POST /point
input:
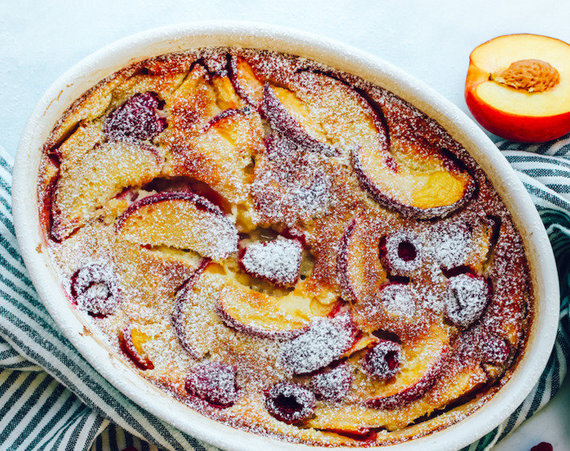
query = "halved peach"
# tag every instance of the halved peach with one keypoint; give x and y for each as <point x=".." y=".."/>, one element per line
<point x="518" y="87"/>
<point x="86" y="184"/>
<point x="251" y="312"/>
<point x="182" y="220"/>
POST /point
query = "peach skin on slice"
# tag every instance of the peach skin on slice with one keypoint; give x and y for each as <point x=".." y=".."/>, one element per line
<point x="449" y="387"/>
<point x="258" y="314"/>
<point x="245" y="81"/>
<point x="193" y="103"/>
<point x="131" y="341"/>
<point x="226" y="95"/>
<point x="421" y="363"/>
<point x="185" y="297"/>
<point x="181" y="220"/>
<point x="95" y="178"/>
<point x="359" y="269"/>
<point x="291" y="117"/>
<point x="436" y="186"/>
<point x="221" y="152"/>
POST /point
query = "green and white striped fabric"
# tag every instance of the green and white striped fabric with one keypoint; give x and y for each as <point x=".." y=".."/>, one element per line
<point x="51" y="398"/>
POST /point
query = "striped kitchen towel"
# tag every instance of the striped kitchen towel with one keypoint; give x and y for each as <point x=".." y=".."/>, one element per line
<point x="51" y="398"/>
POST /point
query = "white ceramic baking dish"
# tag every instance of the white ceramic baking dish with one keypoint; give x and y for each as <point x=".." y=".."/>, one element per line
<point x="92" y="69"/>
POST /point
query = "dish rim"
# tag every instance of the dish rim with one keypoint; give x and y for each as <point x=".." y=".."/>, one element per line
<point x="83" y="75"/>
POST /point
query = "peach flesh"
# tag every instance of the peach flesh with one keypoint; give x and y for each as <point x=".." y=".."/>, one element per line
<point x="519" y="114"/>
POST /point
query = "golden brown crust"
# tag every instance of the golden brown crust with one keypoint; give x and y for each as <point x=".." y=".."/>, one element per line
<point x="327" y="204"/>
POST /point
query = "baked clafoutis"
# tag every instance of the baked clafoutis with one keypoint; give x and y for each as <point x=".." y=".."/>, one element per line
<point x="285" y="247"/>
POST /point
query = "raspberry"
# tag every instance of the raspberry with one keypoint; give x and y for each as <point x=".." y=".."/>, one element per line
<point x="383" y="360"/>
<point x="94" y="289"/>
<point x="290" y="403"/>
<point x="214" y="383"/>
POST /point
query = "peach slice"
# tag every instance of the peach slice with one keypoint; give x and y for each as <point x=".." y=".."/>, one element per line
<point x="177" y="319"/>
<point x="138" y="118"/>
<point x="518" y="87"/>
<point x="421" y="363"/>
<point x="131" y="341"/>
<point x="104" y="171"/>
<point x="291" y="117"/>
<point x="258" y="314"/>
<point x="437" y="186"/>
<point x="359" y="269"/>
<point x="341" y="419"/>
<point x="245" y="81"/>
<point x="437" y="192"/>
<point x="81" y="141"/>
<point x="355" y="125"/>
<point x="325" y="341"/>
<point x="220" y="153"/>
<point x="193" y="105"/>
<point x="181" y="220"/>
<point x="227" y="97"/>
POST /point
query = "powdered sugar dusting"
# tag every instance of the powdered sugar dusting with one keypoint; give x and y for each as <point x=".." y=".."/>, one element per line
<point x="95" y="289"/>
<point x="465" y="299"/>
<point x="398" y="299"/>
<point x="450" y="244"/>
<point x="291" y="184"/>
<point x="403" y="252"/>
<point x="213" y="382"/>
<point x="334" y="384"/>
<point x="278" y="260"/>
<point x="324" y="342"/>
<point x="421" y="319"/>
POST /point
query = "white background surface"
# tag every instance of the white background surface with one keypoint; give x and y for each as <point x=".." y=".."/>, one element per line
<point x="432" y="40"/>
